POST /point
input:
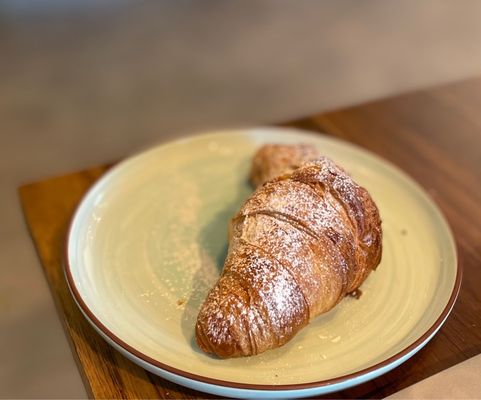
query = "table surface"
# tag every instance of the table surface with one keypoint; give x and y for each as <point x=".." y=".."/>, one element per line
<point x="434" y="135"/>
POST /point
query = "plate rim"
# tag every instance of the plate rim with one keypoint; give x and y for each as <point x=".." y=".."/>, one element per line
<point x="411" y="348"/>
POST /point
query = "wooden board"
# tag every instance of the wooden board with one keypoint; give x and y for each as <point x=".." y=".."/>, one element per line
<point x="433" y="135"/>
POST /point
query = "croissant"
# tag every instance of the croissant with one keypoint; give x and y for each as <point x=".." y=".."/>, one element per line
<point x="302" y="242"/>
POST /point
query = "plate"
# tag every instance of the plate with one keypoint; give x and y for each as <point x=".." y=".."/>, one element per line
<point x="148" y="241"/>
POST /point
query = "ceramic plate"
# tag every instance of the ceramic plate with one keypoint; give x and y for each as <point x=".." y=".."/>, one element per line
<point x="148" y="242"/>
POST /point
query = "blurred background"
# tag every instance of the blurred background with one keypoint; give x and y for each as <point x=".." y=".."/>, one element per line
<point x="85" y="82"/>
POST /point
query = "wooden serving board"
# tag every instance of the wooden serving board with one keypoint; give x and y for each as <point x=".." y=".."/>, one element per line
<point x="433" y="135"/>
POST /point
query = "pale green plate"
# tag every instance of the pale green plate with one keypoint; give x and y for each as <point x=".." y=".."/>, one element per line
<point x="148" y="242"/>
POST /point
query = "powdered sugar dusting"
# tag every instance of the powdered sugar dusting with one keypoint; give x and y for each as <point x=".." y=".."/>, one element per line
<point x="297" y="248"/>
<point x="255" y="305"/>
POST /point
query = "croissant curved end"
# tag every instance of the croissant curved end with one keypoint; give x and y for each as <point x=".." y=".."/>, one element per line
<point x="222" y="326"/>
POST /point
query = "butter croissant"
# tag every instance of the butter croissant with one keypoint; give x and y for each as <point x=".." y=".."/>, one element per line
<point x="297" y="246"/>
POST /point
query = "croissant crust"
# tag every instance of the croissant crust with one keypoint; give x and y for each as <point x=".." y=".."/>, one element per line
<point x="297" y="246"/>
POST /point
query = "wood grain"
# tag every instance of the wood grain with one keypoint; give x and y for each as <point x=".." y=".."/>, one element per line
<point x="433" y="135"/>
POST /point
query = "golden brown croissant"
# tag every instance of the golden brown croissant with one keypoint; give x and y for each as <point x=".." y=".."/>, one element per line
<point x="297" y="246"/>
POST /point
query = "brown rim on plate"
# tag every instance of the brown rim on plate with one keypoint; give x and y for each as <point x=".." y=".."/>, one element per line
<point x="252" y="386"/>
<point x="265" y="387"/>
